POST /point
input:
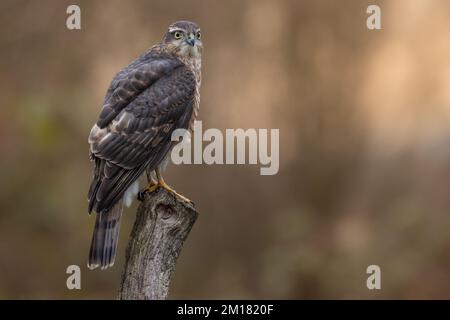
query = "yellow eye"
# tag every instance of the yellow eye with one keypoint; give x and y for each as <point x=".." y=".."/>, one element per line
<point x="198" y="35"/>
<point x="177" y="35"/>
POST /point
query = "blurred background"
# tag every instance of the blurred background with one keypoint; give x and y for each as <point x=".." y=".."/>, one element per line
<point x="364" y="119"/>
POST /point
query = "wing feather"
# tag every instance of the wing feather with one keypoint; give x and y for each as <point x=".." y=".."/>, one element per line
<point x="131" y="81"/>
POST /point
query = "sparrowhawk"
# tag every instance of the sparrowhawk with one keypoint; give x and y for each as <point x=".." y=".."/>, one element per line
<point x="146" y="101"/>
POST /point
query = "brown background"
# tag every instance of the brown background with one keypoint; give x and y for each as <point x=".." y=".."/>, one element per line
<point x="364" y="146"/>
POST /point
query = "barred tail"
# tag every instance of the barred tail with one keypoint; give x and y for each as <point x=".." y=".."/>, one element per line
<point x="105" y="238"/>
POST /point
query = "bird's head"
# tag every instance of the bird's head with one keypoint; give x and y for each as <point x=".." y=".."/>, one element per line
<point x="184" y="40"/>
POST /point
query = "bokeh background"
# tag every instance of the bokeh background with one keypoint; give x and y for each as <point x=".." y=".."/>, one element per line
<point x="364" y="119"/>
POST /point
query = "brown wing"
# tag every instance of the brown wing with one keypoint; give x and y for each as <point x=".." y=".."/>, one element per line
<point x="138" y="136"/>
<point x="132" y="81"/>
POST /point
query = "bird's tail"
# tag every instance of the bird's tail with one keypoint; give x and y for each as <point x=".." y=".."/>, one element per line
<point x="105" y="238"/>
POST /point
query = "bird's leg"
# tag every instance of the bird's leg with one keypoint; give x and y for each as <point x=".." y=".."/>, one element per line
<point x="163" y="184"/>
<point x="151" y="186"/>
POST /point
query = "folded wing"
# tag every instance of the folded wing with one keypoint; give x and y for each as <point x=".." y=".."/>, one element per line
<point x="146" y="102"/>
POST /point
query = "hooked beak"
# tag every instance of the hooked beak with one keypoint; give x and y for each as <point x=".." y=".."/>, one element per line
<point x="190" y="40"/>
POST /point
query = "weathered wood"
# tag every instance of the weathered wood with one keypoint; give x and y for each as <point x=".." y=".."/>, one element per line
<point x="162" y="224"/>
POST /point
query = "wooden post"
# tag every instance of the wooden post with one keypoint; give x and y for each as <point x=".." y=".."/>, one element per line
<point x="162" y="224"/>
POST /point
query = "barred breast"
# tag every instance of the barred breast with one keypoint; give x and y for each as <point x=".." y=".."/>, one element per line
<point x="195" y="66"/>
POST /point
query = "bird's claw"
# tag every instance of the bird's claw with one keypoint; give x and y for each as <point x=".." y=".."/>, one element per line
<point x="152" y="186"/>
<point x="141" y="194"/>
<point x="161" y="184"/>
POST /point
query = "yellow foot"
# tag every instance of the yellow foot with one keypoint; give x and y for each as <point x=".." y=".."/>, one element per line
<point x="164" y="185"/>
<point x="152" y="186"/>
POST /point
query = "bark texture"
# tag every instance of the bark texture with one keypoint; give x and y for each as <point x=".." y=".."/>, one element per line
<point x="162" y="224"/>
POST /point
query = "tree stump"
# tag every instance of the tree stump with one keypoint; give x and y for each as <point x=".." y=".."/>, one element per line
<point x="163" y="223"/>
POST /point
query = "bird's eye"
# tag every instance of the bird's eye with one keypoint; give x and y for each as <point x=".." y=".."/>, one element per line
<point x="198" y="35"/>
<point x="177" y="35"/>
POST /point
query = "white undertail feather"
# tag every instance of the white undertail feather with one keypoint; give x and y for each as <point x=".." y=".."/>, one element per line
<point x="131" y="193"/>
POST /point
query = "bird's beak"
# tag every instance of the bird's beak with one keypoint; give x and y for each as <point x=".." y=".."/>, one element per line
<point x="191" y="39"/>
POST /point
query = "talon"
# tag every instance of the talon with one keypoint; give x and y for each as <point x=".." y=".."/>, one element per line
<point x="141" y="194"/>
<point x="164" y="185"/>
<point x="152" y="186"/>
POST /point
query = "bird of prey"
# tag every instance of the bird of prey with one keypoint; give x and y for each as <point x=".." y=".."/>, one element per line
<point x="146" y="101"/>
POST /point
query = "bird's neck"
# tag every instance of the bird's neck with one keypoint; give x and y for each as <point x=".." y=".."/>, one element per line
<point x="193" y="63"/>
